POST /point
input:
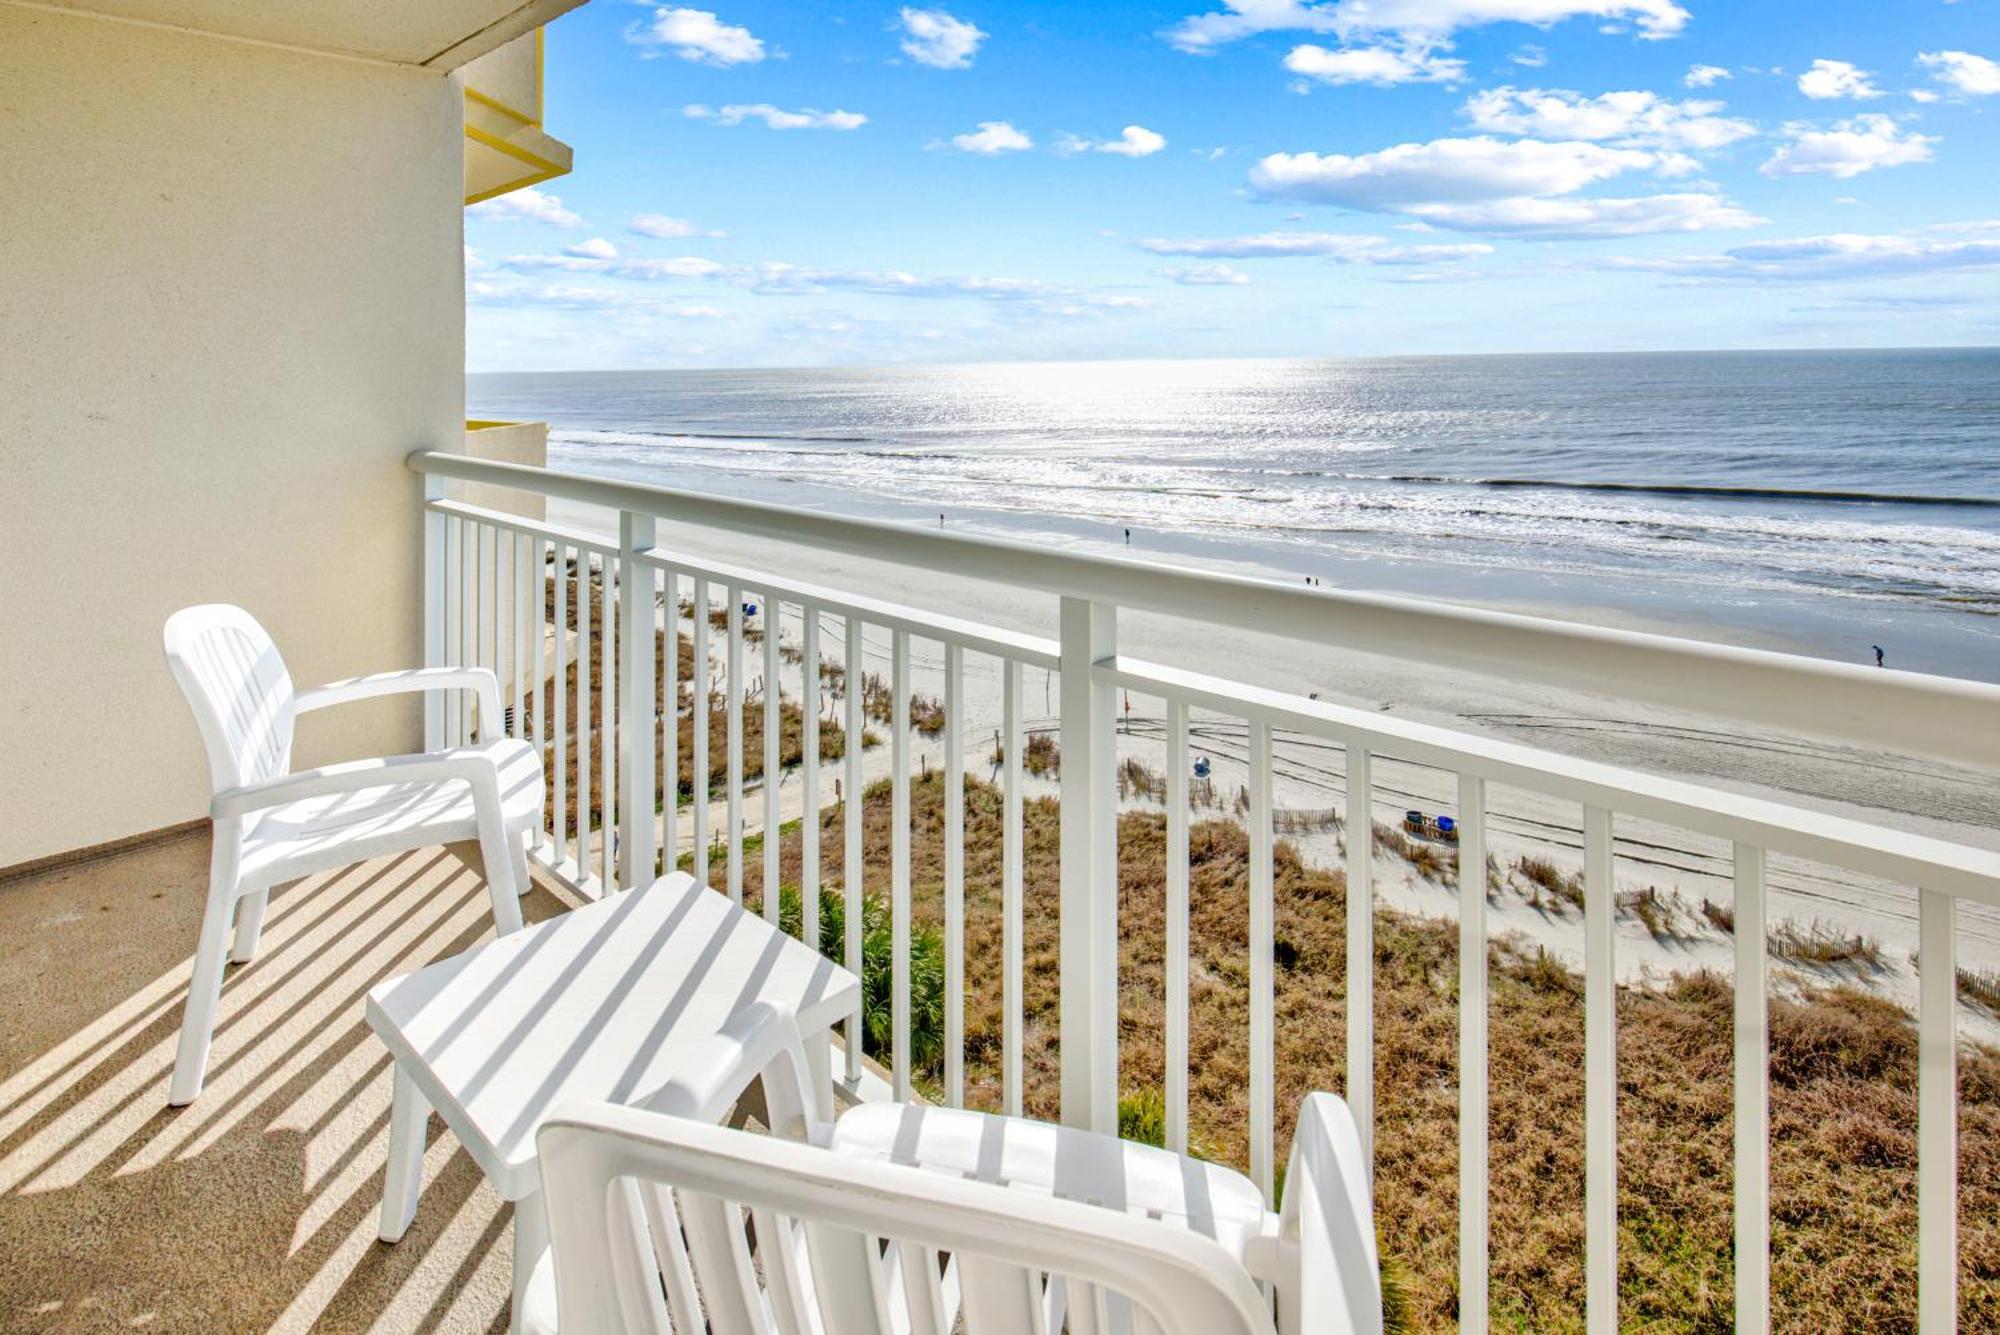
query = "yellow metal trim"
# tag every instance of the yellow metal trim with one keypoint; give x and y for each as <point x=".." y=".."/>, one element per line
<point x="510" y="113"/>
<point x="479" y="424"/>
<point x="515" y="151"/>
<point x="534" y="178"/>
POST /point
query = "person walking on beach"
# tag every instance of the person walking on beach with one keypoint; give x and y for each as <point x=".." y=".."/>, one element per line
<point x="1878" y="655"/>
<point x="1128" y="537"/>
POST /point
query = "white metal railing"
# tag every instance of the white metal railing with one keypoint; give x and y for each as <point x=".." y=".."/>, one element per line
<point x="489" y="575"/>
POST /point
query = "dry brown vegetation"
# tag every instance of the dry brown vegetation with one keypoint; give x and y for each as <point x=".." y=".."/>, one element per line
<point x="1843" y="1073"/>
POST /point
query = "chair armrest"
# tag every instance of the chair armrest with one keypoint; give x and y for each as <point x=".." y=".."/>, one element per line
<point x="477" y="679"/>
<point x="465" y="766"/>
<point x="760" y="1040"/>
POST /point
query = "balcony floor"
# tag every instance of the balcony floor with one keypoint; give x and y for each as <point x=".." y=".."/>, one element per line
<point x="256" y="1206"/>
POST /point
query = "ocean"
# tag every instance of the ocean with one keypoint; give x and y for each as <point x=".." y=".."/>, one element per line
<point x="1824" y="502"/>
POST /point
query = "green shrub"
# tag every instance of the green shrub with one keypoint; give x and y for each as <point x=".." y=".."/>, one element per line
<point x="878" y="974"/>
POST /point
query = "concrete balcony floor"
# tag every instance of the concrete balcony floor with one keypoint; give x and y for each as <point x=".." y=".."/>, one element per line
<point x="254" y="1208"/>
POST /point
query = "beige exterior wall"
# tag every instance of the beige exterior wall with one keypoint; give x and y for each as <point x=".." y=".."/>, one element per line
<point x="231" y="301"/>
<point x="507" y="443"/>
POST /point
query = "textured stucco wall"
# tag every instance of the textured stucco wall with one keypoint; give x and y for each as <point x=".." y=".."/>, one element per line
<point x="231" y="301"/>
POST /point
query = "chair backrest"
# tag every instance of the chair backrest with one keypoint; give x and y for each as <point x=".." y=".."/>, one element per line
<point x="1330" y="1217"/>
<point x="236" y="683"/>
<point x="662" y="1223"/>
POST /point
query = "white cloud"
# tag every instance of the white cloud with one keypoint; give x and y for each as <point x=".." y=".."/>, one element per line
<point x="1643" y="215"/>
<point x="697" y="35"/>
<point x="1631" y="119"/>
<point x="529" y="205"/>
<point x="990" y="138"/>
<point x="1704" y="76"/>
<point x="1924" y="95"/>
<point x="665" y="228"/>
<point x="1442" y="171"/>
<point x="1135" y="141"/>
<point x="1850" y="148"/>
<point x="1378" y="65"/>
<point x="1344" y="247"/>
<point x="1433" y="20"/>
<point x="1508" y="187"/>
<point x="597" y="248"/>
<point x="1842" y="255"/>
<point x="1975" y="76"/>
<point x="681" y="267"/>
<point x="775" y="118"/>
<point x="1530" y="57"/>
<point x="933" y="37"/>
<point x="1205" y="275"/>
<point x="1836" y="78"/>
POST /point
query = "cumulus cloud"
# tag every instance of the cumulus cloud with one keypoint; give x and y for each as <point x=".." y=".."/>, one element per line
<point x="597" y="248"/>
<point x="991" y="138"/>
<point x="1514" y="187"/>
<point x="1382" y="66"/>
<point x="1836" y="78"/>
<point x="696" y="35"/>
<point x="1343" y="247"/>
<point x="1704" y="76"/>
<point x="665" y="228"/>
<point x="933" y="37"/>
<point x="1432" y="20"/>
<point x="1841" y="255"/>
<point x="1974" y="76"/>
<point x="529" y="205"/>
<point x="1851" y="147"/>
<point x="1134" y="141"/>
<point x="1401" y="178"/>
<point x="1205" y="275"/>
<point x="1631" y="119"/>
<point x="775" y="118"/>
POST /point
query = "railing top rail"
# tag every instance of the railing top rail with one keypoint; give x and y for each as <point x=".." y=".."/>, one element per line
<point x="1871" y="707"/>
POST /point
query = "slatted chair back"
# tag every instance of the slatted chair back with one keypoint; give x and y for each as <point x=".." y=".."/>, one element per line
<point x="236" y="683"/>
<point x="661" y="1223"/>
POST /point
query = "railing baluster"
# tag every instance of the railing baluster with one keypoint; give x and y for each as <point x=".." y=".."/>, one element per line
<point x="1472" y="1091"/>
<point x="809" y="772"/>
<point x="857" y="725"/>
<point x="698" y="674"/>
<point x="899" y="843"/>
<point x="488" y="612"/>
<point x="809" y="706"/>
<point x="468" y="614"/>
<point x="1937" y="1114"/>
<point x="953" y="797"/>
<point x="583" y="713"/>
<point x="1600" y="1069"/>
<point x="670" y="725"/>
<point x="773" y="721"/>
<point x="517" y="631"/>
<point x="538" y="630"/>
<point x="437" y="615"/>
<point x="1263" y="1094"/>
<point x="608" y="685"/>
<point x="560" y="577"/>
<point x="1359" y="815"/>
<point x="454" y="597"/>
<point x="1753" y="1100"/>
<point x="733" y="723"/>
<point x="1012" y="1007"/>
<point x="1177" y="926"/>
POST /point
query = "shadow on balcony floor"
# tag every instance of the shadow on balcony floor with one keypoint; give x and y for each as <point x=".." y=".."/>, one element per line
<point x="256" y="1206"/>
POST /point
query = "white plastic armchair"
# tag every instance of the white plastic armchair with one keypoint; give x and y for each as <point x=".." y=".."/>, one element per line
<point x="274" y="825"/>
<point x="647" y="1221"/>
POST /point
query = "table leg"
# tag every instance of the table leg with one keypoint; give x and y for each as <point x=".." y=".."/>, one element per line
<point x="819" y="1070"/>
<point x="531" y="1243"/>
<point x="409" y="1116"/>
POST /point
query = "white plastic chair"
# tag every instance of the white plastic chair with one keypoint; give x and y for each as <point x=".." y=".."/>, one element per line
<point x="272" y="825"/>
<point x="647" y="1217"/>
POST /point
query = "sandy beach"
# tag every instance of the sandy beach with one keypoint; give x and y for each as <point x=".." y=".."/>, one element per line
<point x="1681" y="869"/>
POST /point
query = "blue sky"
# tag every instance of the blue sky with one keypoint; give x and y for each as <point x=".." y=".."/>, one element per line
<point x="764" y="184"/>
